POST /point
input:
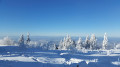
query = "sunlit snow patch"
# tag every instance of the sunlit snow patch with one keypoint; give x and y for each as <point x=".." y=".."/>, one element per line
<point x="51" y="60"/>
<point x="63" y="53"/>
<point x="75" y="60"/>
<point x="18" y="58"/>
<point x="116" y="63"/>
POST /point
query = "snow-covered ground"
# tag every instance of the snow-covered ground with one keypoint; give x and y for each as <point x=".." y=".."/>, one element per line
<point x="13" y="56"/>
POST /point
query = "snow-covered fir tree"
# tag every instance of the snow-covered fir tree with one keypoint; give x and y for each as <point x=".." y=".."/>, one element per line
<point x="7" y="41"/>
<point x="28" y="38"/>
<point x="105" y="41"/>
<point x="21" y="41"/>
<point x="87" y="43"/>
<point x="67" y="43"/>
<point x="93" y="42"/>
<point x="115" y="46"/>
<point x="52" y="47"/>
<point x="79" y="44"/>
<point x="79" y="40"/>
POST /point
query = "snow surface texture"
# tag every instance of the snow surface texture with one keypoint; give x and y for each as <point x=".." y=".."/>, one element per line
<point x="16" y="57"/>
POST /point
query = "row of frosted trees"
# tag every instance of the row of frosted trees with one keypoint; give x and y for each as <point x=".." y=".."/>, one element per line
<point x="91" y="43"/>
<point x="34" y="44"/>
<point x="67" y="43"/>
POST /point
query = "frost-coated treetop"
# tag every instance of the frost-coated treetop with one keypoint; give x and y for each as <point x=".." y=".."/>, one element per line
<point x="79" y="40"/>
<point x="105" y="41"/>
<point x="21" y="39"/>
<point x="28" y="38"/>
<point x="87" y="39"/>
<point x="67" y="43"/>
<point x="87" y="43"/>
<point x="93" y="38"/>
<point x="93" y="41"/>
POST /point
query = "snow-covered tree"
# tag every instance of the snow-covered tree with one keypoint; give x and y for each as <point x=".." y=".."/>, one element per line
<point x="117" y="46"/>
<point x="79" y="40"/>
<point x="87" y="43"/>
<point x="28" y="38"/>
<point x="105" y="41"/>
<point x="93" y="42"/>
<point x="67" y="43"/>
<point x="52" y="47"/>
<point x="7" y="41"/>
<point x="33" y="44"/>
<point x="79" y="44"/>
<point x="21" y="41"/>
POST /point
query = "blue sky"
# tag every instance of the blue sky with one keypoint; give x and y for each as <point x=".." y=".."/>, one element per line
<point x="60" y="17"/>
